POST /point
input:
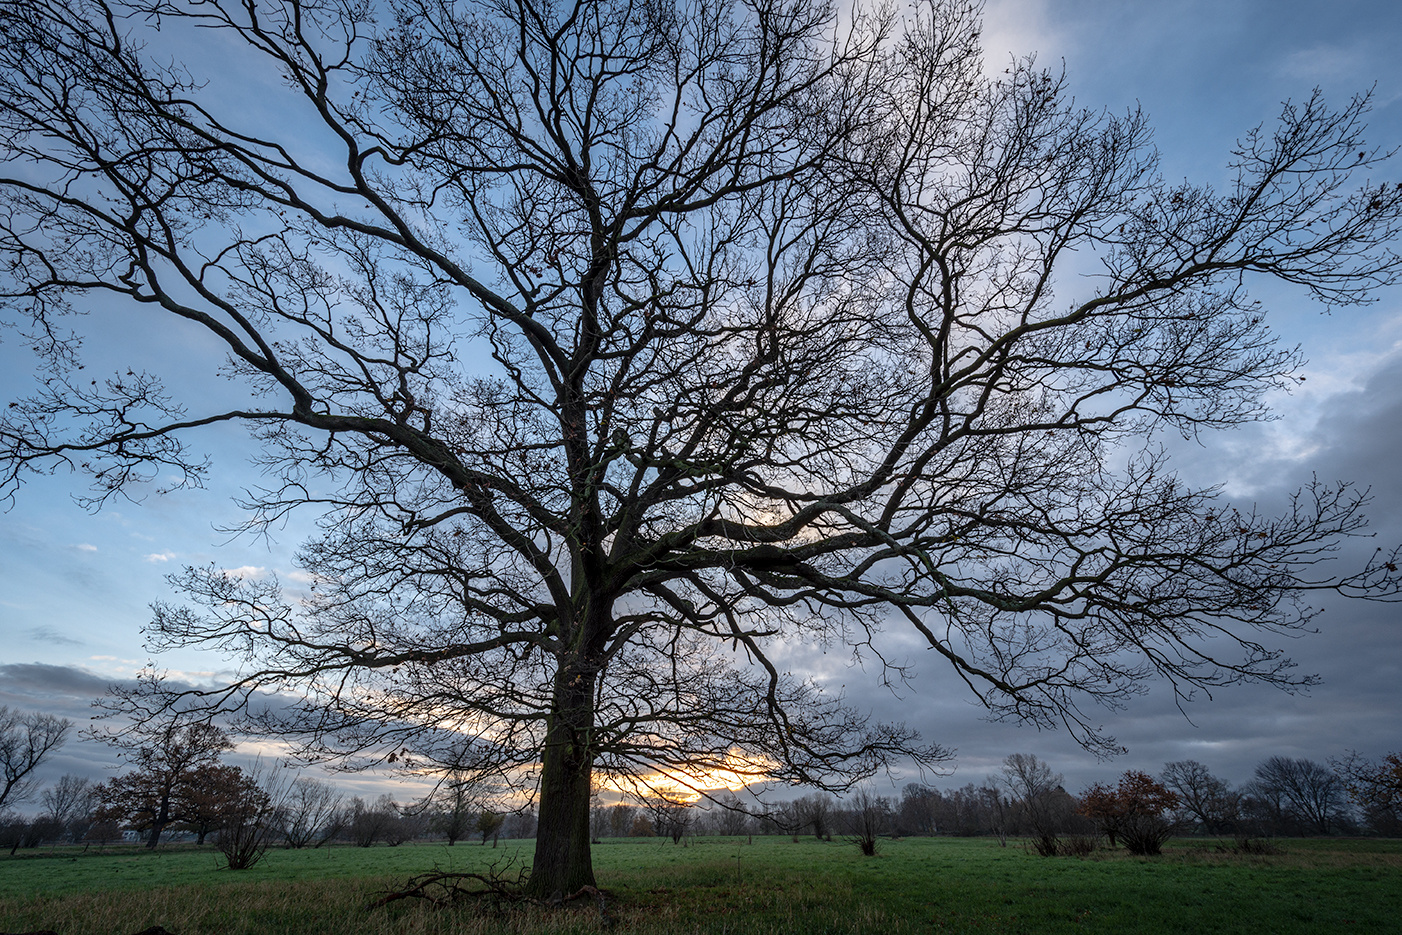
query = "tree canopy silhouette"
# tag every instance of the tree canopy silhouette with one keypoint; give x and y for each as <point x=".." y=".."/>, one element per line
<point x="621" y="347"/>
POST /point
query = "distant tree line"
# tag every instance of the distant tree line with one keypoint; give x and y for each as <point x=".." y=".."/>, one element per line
<point x="1027" y="799"/>
<point x="178" y="784"/>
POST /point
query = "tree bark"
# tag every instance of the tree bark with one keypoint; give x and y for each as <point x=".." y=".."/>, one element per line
<point x="563" y="863"/>
<point x="160" y="819"/>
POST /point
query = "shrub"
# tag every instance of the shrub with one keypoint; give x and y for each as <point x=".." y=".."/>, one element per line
<point x="1134" y="812"/>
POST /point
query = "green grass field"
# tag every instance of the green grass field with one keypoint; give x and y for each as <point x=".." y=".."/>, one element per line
<point x="719" y="885"/>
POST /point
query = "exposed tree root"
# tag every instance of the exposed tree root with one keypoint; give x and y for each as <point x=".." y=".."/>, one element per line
<point x="447" y="888"/>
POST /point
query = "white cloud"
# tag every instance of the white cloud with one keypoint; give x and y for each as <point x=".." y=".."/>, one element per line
<point x="244" y="571"/>
<point x="1322" y="63"/>
<point x="160" y="556"/>
<point x="1022" y="27"/>
<point x="85" y="547"/>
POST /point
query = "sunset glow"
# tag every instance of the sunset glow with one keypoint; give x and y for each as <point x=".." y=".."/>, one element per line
<point x="686" y="786"/>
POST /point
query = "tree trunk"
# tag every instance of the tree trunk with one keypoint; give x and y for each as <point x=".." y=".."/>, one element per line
<point x="158" y="823"/>
<point x="562" y="859"/>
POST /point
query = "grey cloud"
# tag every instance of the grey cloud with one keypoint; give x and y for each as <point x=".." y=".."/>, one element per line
<point x="1356" y="651"/>
<point x="64" y="690"/>
<point x="51" y="635"/>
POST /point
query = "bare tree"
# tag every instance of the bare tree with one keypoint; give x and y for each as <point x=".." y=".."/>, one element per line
<point x="1032" y="789"/>
<point x="732" y="818"/>
<point x="26" y="740"/>
<point x="866" y="817"/>
<point x="453" y="807"/>
<point x="1308" y="792"/>
<point x="1206" y="798"/>
<point x="814" y="812"/>
<point x="919" y="809"/>
<point x="375" y="821"/>
<point x="249" y="817"/>
<point x="670" y="816"/>
<point x="619" y="345"/>
<point x="310" y="807"/>
<point x="621" y="819"/>
<point x="69" y="803"/>
<point x="1375" y="786"/>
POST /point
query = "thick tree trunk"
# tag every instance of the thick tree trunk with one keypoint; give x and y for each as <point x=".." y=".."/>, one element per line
<point x="158" y="824"/>
<point x="562" y="859"/>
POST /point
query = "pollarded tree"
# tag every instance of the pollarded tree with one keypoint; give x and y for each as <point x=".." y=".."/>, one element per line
<point x="248" y="817"/>
<point x="620" y="346"/>
<point x="866" y="817"/>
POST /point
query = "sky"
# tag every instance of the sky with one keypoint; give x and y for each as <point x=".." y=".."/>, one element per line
<point x="75" y="587"/>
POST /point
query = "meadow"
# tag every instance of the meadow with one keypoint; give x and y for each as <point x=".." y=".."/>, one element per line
<point x="725" y="885"/>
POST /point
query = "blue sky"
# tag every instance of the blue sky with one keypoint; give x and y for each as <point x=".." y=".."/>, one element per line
<point x="75" y="587"/>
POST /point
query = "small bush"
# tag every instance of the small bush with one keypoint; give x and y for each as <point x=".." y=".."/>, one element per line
<point x="1252" y="846"/>
<point x="1078" y="845"/>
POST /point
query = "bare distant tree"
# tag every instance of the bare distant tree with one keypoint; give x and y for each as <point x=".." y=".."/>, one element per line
<point x="69" y="803"/>
<point x="1307" y="791"/>
<point x="374" y="821"/>
<point x="998" y="808"/>
<point x="618" y="347"/>
<point x="1202" y="795"/>
<point x="814" y="812"/>
<point x="732" y="818"/>
<point x="621" y="818"/>
<point x="1033" y="789"/>
<point x="452" y="807"/>
<point x="919" y="809"/>
<point x="68" y="798"/>
<point x="866" y="816"/>
<point x="308" y="809"/>
<point x="671" y="817"/>
<point x="1375" y="786"/>
<point x="26" y="740"/>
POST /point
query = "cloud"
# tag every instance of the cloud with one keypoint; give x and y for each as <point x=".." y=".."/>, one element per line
<point x="1331" y="64"/>
<point x="45" y="634"/>
<point x="244" y="571"/>
<point x="160" y="556"/>
<point x="85" y="547"/>
<point x="67" y="691"/>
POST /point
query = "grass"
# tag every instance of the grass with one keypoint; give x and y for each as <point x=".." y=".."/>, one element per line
<point x="721" y="886"/>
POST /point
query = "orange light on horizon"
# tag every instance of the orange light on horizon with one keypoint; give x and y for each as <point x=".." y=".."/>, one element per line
<point x="687" y="785"/>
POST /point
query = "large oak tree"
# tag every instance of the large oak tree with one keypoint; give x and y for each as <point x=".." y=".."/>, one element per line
<point x="621" y="347"/>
